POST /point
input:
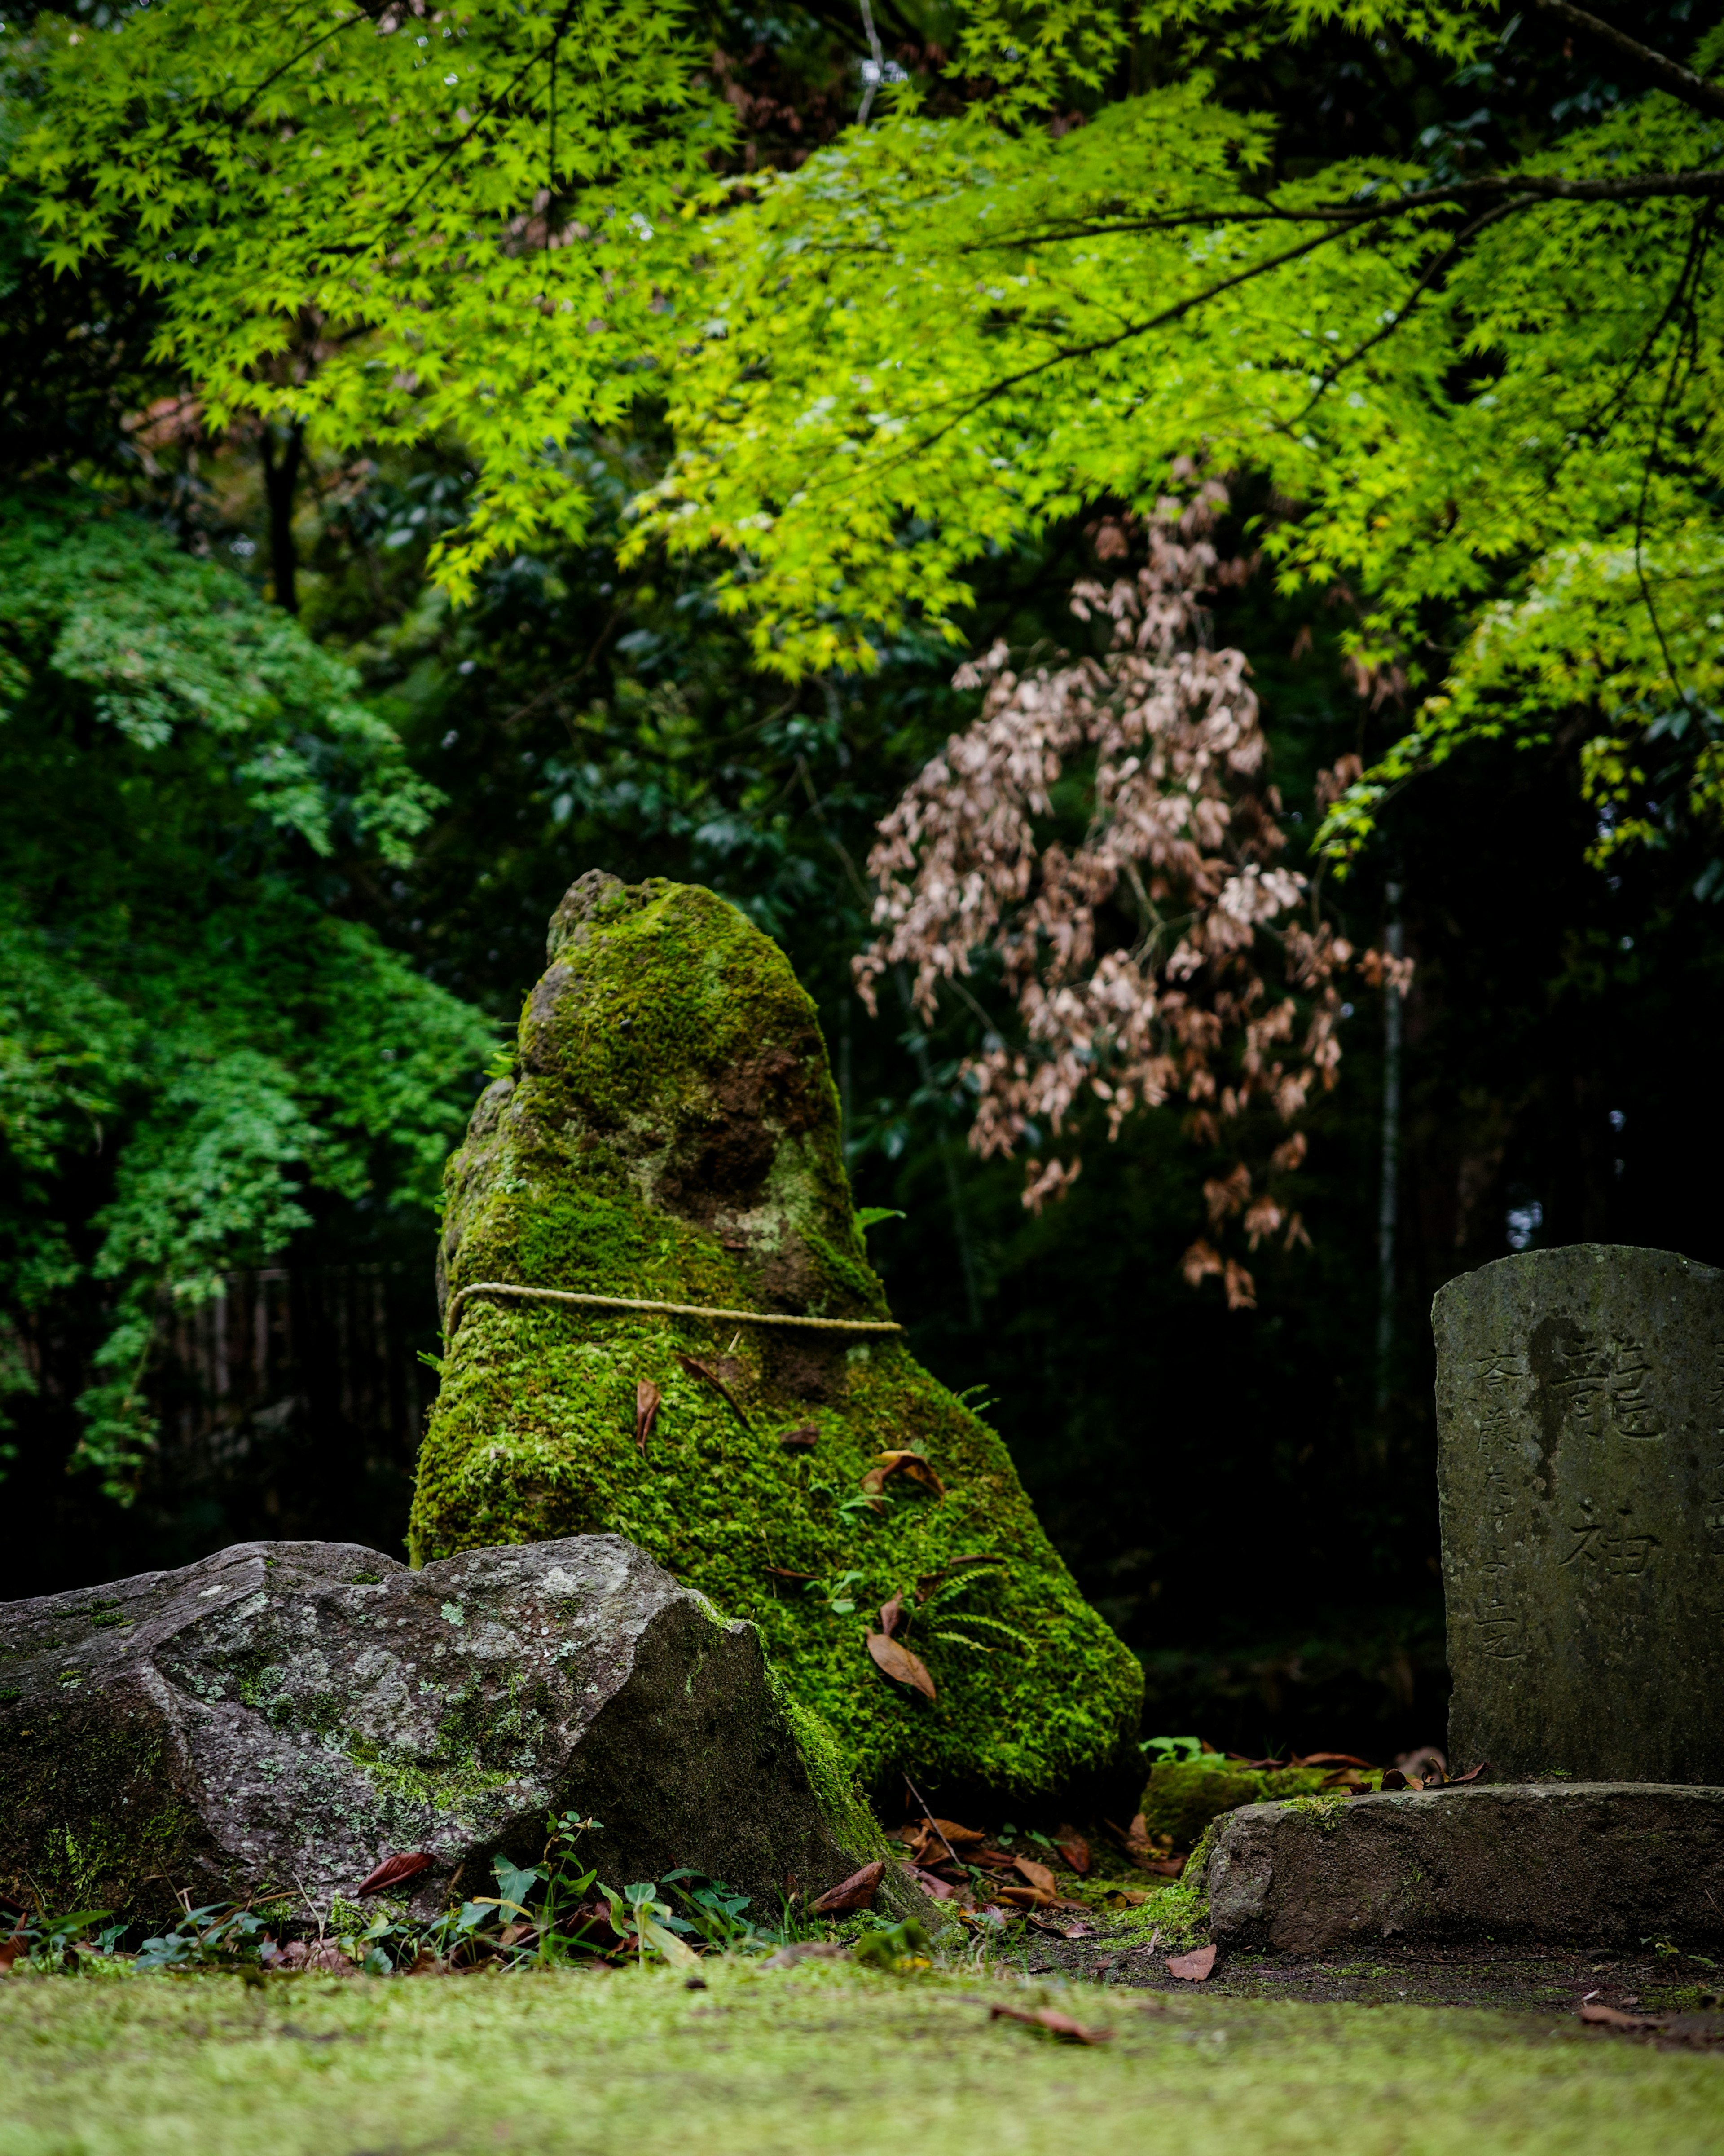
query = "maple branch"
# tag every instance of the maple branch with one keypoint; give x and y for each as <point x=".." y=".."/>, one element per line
<point x="1532" y="186"/>
<point x="1680" y="82"/>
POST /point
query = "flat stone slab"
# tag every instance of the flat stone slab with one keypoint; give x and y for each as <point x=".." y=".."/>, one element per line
<point x="282" y="1716"/>
<point x="1597" y="1863"/>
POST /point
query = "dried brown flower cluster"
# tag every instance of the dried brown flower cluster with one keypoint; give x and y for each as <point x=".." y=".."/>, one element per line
<point x="1139" y="954"/>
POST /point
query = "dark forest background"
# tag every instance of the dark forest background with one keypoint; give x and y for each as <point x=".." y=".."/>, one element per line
<point x="1247" y="1496"/>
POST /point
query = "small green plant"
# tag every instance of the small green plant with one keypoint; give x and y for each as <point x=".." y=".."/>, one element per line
<point x="1187" y="1751"/>
<point x="894" y="1948"/>
<point x="837" y="1592"/>
<point x="49" y="1944"/>
<point x="219" y="1935"/>
<point x="938" y="1613"/>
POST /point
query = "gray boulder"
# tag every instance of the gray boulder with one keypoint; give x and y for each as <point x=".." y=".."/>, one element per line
<point x="1591" y="1864"/>
<point x="284" y="1715"/>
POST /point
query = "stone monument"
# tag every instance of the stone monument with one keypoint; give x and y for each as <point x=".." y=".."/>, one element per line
<point x="1580" y="1475"/>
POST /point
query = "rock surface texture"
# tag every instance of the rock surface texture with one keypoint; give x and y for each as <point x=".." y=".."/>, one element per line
<point x="669" y="1132"/>
<point x="1590" y="1864"/>
<point x="283" y="1715"/>
<point x="1580" y="1416"/>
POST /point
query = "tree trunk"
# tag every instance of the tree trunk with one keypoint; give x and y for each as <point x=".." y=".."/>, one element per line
<point x="281" y="474"/>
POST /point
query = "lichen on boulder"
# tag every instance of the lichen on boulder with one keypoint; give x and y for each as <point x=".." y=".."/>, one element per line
<point x="282" y="1716"/>
<point x="669" y="1130"/>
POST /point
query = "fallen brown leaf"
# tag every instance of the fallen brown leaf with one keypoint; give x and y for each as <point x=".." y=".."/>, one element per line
<point x="1027" y="1897"/>
<point x="646" y="1397"/>
<point x="1073" y="1847"/>
<point x="1053" y="2020"/>
<point x="1393" y="1779"/>
<point x="890" y="1613"/>
<point x="1329" y="1759"/>
<point x="1612" y="2017"/>
<point x="910" y="1465"/>
<point x="711" y="1377"/>
<point x="959" y="1837"/>
<point x="1472" y="1774"/>
<point x="393" y="1871"/>
<point x="1037" y="1875"/>
<point x="1165" y="1867"/>
<point x="325" y="1955"/>
<point x="856" y="1892"/>
<point x="899" y="1664"/>
<point x="1193" y="1968"/>
<point x="932" y="1883"/>
<point x="11" y="1949"/>
<point x="802" y="1438"/>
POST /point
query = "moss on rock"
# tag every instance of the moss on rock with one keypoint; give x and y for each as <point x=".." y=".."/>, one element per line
<point x="1182" y="1796"/>
<point x="669" y="1131"/>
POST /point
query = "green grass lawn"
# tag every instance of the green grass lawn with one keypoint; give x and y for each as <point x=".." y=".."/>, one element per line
<point x="804" y="2060"/>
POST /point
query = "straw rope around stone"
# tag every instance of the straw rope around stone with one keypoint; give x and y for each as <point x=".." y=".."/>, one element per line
<point x="666" y="1309"/>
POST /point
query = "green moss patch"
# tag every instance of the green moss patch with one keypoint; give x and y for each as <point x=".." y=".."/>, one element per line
<point x="669" y="1131"/>
<point x="1182" y="1796"/>
<point x="819" y="2060"/>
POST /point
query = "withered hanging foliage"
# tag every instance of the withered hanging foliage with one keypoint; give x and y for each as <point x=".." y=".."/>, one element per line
<point x="1224" y="992"/>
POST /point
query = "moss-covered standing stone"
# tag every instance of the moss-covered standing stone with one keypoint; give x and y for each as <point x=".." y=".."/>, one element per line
<point x="669" y="1131"/>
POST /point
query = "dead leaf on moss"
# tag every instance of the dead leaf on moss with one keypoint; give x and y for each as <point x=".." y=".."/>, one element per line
<point x="1037" y="1875"/>
<point x="647" y="1398"/>
<point x="1027" y="1897"/>
<point x="1073" y="1847"/>
<point x="1193" y="1968"/>
<point x="910" y="1465"/>
<point x="856" y="1892"/>
<point x="1056" y="2023"/>
<point x="394" y="1870"/>
<point x="696" y="1368"/>
<point x="899" y="1664"/>
<point x="889" y="1614"/>
<point x="1055" y="1928"/>
<point x="802" y="1438"/>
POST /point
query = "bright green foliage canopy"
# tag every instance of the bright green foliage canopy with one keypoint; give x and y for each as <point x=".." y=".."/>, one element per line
<point x="344" y="208"/>
<point x="192" y="1041"/>
<point x="1485" y="393"/>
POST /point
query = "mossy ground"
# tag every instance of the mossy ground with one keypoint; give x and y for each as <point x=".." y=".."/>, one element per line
<point x="818" y="2059"/>
<point x="669" y="1130"/>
